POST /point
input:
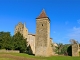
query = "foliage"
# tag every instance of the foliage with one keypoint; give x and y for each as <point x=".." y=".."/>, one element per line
<point x="59" y="48"/>
<point x="19" y="42"/>
<point x="62" y="49"/>
<point x="5" y="40"/>
<point x="65" y="49"/>
<point x="16" y="42"/>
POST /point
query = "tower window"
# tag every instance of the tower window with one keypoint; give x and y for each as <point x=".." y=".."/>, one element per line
<point x="42" y="24"/>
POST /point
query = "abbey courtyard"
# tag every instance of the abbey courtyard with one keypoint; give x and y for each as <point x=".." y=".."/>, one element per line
<point x="41" y="42"/>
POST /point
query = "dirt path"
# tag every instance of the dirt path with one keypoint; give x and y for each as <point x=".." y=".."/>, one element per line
<point x="15" y="57"/>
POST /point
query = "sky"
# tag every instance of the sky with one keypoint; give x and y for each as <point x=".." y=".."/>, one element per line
<point x="64" y="17"/>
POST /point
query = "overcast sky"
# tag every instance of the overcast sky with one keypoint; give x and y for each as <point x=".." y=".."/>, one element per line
<point x="64" y="17"/>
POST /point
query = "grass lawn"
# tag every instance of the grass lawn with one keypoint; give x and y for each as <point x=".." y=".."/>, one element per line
<point x="21" y="56"/>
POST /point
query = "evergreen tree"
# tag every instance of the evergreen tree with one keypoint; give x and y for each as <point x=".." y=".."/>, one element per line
<point x="5" y="40"/>
<point x="19" y="42"/>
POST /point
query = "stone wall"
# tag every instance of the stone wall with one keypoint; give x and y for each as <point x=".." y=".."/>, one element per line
<point x="51" y="52"/>
<point x="31" y="42"/>
<point x="75" y="49"/>
<point x="9" y="51"/>
<point x="22" y="29"/>
<point x="19" y="28"/>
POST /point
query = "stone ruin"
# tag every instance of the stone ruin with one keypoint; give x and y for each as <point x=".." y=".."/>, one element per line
<point x="75" y="48"/>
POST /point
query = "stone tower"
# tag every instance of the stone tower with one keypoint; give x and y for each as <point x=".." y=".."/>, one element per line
<point x="42" y="42"/>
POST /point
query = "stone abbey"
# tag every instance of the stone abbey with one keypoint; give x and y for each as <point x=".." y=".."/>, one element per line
<point x="40" y="42"/>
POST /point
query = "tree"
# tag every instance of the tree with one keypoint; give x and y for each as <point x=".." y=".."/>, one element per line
<point x="65" y="48"/>
<point x="5" y="40"/>
<point x="59" y="48"/>
<point x="19" y="42"/>
<point x="62" y="49"/>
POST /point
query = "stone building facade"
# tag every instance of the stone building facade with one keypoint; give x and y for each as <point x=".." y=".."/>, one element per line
<point x="40" y="42"/>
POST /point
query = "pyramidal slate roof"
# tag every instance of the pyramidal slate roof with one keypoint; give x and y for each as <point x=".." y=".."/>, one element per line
<point x="42" y="15"/>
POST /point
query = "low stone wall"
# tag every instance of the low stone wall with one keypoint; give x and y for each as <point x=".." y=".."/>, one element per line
<point x="9" y="51"/>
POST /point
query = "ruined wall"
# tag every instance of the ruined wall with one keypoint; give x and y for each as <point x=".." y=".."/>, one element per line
<point x="31" y="43"/>
<point x="75" y="49"/>
<point x="22" y="29"/>
<point x="51" y="52"/>
<point x="25" y="32"/>
<point x="9" y="51"/>
<point x="19" y="28"/>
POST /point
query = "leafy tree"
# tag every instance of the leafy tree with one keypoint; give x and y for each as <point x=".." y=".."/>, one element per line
<point x="16" y="42"/>
<point x="58" y="48"/>
<point x="62" y="49"/>
<point x="65" y="48"/>
<point x="5" y="40"/>
<point x="19" y="42"/>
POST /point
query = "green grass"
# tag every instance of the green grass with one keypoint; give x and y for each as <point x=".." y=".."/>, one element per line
<point x="63" y="58"/>
<point x="48" y="58"/>
<point x="27" y="56"/>
<point x="42" y="58"/>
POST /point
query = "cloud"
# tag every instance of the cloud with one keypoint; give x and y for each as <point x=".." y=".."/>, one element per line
<point x="78" y="21"/>
<point x="75" y="33"/>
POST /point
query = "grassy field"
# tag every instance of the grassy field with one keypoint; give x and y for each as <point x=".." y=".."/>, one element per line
<point x="21" y="56"/>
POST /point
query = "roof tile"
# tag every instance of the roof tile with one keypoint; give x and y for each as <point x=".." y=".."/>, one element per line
<point x="42" y="14"/>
